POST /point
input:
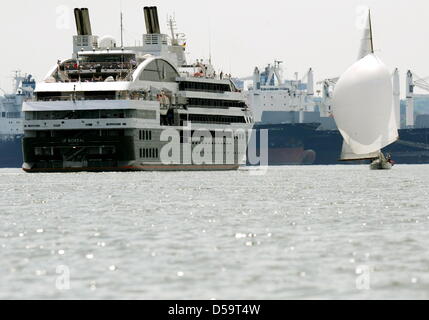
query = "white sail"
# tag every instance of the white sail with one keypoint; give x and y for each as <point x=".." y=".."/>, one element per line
<point x="348" y="155"/>
<point x="392" y="133"/>
<point x="366" y="44"/>
<point x="362" y="108"/>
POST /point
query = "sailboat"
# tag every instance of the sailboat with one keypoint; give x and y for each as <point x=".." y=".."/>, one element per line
<point x="363" y="107"/>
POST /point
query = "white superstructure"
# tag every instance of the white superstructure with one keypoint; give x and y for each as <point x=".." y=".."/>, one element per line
<point x="270" y="96"/>
<point x="11" y="124"/>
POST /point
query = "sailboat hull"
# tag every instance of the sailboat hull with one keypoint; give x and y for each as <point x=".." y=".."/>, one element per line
<point x="380" y="165"/>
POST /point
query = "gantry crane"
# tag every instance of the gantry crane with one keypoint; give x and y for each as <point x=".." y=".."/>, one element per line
<point x="411" y="82"/>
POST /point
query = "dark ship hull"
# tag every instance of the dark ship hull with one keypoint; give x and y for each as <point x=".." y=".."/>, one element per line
<point x="289" y="144"/>
<point x="286" y="143"/>
<point x="411" y="148"/>
<point x="303" y="144"/>
<point x="11" y="152"/>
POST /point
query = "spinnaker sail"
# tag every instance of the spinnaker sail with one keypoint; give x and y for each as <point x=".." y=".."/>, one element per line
<point x="363" y="105"/>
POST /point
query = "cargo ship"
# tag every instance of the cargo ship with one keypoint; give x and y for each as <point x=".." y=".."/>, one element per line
<point x="281" y="108"/>
<point x="292" y="104"/>
<point x="11" y="121"/>
<point x="302" y="131"/>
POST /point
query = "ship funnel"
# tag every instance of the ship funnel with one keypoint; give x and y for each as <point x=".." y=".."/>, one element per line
<point x="83" y="24"/>
<point x="147" y="20"/>
<point x="86" y="27"/>
<point x="78" y="19"/>
<point x="156" y="28"/>
<point x="151" y="20"/>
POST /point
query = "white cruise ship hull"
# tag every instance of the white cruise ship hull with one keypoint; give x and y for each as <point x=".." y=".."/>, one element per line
<point x="127" y="136"/>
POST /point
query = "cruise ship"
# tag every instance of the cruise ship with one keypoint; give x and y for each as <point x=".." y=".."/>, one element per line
<point x="11" y="123"/>
<point x="116" y="108"/>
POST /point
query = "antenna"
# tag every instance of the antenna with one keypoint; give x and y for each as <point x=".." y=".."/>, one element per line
<point x="171" y="23"/>
<point x="16" y="79"/>
<point x="122" y="32"/>
<point x="210" y="51"/>
<point x="122" y="27"/>
<point x="210" y="43"/>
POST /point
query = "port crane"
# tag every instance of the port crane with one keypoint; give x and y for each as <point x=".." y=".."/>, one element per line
<point x="412" y="81"/>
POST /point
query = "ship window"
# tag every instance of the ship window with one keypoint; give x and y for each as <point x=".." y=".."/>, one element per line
<point x="204" y="86"/>
<point x="122" y="57"/>
<point x="149" y="153"/>
<point x="151" y="72"/>
<point x="216" y="103"/>
<point x="159" y="70"/>
<point x="43" y="151"/>
<point x="208" y="118"/>
<point x="146" y="114"/>
<point x="145" y="135"/>
<point x="13" y="115"/>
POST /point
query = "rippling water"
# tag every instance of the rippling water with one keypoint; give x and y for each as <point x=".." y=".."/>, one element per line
<point x="295" y="232"/>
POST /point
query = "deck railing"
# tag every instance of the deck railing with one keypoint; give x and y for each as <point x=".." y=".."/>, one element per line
<point x="97" y="67"/>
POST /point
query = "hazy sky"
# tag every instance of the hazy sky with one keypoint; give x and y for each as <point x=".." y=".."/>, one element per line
<point x="244" y="34"/>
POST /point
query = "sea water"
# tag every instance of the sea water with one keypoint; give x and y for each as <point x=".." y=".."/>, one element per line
<point x="304" y="232"/>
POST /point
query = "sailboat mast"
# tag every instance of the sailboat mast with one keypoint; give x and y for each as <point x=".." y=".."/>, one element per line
<point x="370" y="31"/>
